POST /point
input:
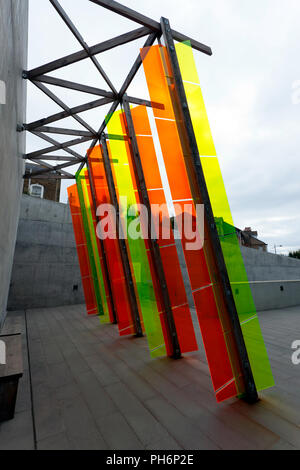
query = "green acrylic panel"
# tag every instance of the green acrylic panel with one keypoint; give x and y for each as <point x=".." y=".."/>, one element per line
<point x="92" y="246"/>
<point x="229" y="241"/>
<point x="137" y="248"/>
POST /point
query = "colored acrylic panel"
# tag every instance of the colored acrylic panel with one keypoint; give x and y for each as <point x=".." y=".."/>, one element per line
<point x="219" y="358"/>
<point x="137" y="249"/>
<point x="82" y="251"/>
<point x="168" y="251"/>
<point x="111" y="246"/>
<point x="230" y="246"/>
<point x="88" y="224"/>
<point x="195" y="99"/>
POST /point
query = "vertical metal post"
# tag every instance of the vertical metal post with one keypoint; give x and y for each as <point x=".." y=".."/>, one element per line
<point x="185" y="118"/>
<point x="106" y="270"/>
<point x="154" y="248"/>
<point x="122" y="242"/>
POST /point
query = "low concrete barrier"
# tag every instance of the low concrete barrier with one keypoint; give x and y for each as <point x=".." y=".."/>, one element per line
<point x="275" y="294"/>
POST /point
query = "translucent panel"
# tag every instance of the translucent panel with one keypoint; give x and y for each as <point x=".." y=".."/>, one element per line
<point x="213" y="337"/>
<point x="257" y="353"/>
<point x="221" y="358"/>
<point x="111" y="245"/>
<point x="149" y="162"/>
<point x="195" y="100"/>
<point x="184" y="328"/>
<point x="230" y="246"/>
<point x="82" y="251"/>
<point x="157" y="80"/>
<point x="89" y="244"/>
<point x="186" y="61"/>
<point x="173" y="157"/>
<point x="141" y="121"/>
<point x="168" y="251"/>
<point x="91" y="217"/>
<point x="247" y="312"/>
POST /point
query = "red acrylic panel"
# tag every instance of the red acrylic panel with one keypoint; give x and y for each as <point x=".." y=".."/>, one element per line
<point x="112" y="249"/>
<point x="81" y="245"/>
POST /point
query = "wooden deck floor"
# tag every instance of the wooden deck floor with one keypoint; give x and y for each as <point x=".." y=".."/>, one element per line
<point x="94" y="390"/>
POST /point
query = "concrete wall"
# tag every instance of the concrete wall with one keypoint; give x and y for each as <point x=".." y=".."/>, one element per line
<point x="13" y="59"/>
<point x="274" y="279"/>
<point x="45" y="267"/>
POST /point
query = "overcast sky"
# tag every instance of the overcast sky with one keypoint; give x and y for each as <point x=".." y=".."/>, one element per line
<point x="247" y="86"/>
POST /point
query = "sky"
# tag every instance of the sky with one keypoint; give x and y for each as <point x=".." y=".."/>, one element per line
<point x="251" y="88"/>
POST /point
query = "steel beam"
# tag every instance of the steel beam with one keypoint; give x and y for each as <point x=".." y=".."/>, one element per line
<point x="82" y="164"/>
<point x="52" y="168"/>
<point x="186" y="122"/>
<point x="74" y="86"/>
<point x="63" y="131"/>
<point x="54" y="158"/>
<point x="90" y="90"/>
<point x="50" y="177"/>
<point x="62" y="105"/>
<point x="141" y="102"/>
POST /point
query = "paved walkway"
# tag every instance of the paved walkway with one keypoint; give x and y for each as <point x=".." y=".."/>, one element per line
<point x="94" y="390"/>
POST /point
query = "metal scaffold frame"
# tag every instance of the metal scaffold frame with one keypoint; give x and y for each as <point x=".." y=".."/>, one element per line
<point x="152" y="31"/>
